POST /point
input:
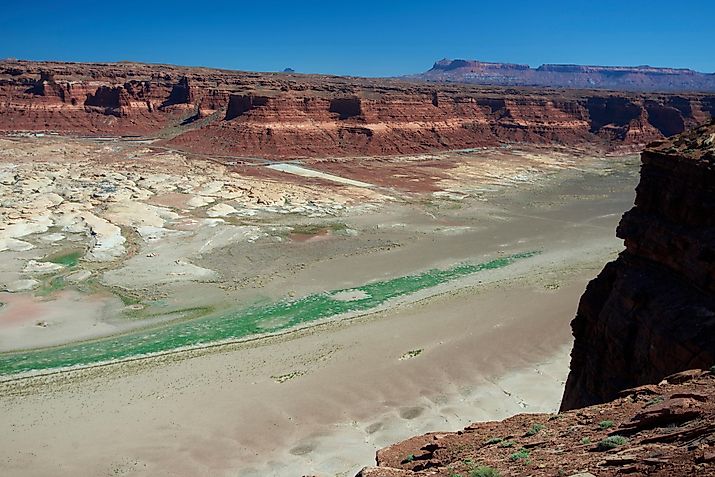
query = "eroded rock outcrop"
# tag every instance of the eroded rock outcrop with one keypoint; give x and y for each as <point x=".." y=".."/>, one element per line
<point x="279" y="115"/>
<point x="651" y="312"/>
<point x="666" y="430"/>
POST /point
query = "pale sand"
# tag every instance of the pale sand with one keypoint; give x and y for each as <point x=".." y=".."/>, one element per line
<point x="32" y="322"/>
<point x="224" y="413"/>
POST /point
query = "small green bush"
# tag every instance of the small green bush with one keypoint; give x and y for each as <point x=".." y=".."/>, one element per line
<point x="586" y="440"/>
<point x="410" y="458"/>
<point x="534" y="429"/>
<point x="506" y="444"/>
<point x="611" y="442"/>
<point x="519" y="455"/>
<point x="655" y="400"/>
<point x="605" y="424"/>
<point x="484" y="471"/>
<point x="494" y="440"/>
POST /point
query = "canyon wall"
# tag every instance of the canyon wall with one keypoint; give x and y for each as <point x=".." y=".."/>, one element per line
<point x="290" y="115"/>
<point x="651" y="312"/>
<point x="640" y="399"/>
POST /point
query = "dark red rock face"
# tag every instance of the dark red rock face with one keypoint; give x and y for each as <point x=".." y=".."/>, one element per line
<point x="651" y="312"/>
<point x="285" y="116"/>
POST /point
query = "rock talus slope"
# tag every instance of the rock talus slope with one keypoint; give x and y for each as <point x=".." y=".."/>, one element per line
<point x="662" y="430"/>
<point x="651" y="312"/>
<point x="289" y="115"/>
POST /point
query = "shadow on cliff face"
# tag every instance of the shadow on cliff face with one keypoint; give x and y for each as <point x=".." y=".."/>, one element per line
<point x="651" y="312"/>
<point x="346" y="108"/>
<point x="668" y="120"/>
<point x="240" y="104"/>
<point x="616" y="111"/>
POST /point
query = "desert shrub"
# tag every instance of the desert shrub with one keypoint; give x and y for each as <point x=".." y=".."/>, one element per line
<point x="607" y="424"/>
<point x="494" y="440"/>
<point x="534" y="429"/>
<point x="586" y="440"/>
<point x="484" y="471"/>
<point x="506" y="444"/>
<point x="611" y="442"/>
<point x="519" y="455"/>
<point x="655" y="400"/>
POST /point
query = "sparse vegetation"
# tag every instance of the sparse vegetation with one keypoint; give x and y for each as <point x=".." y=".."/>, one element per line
<point x="654" y="400"/>
<point x="507" y="444"/>
<point x="607" y="424"/>
<point x="494" y="440"/>
<point x="534" y="429"/>
<point x="484" y="471"/>
<point x="522" y="454"/>
<point x="285" y="377"/>
<point x="411" y="354"/>
<point x="409" y="458"/>
<point x="317" y="229"/>
<point x="586" y="440"/>
<point x="611" y="442"/>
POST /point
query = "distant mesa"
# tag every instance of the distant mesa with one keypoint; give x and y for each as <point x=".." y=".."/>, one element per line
<point x="620" y="78"/>
<point x="288" y="70"/>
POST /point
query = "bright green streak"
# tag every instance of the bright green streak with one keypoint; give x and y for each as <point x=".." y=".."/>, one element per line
<point x="238" y="324"/>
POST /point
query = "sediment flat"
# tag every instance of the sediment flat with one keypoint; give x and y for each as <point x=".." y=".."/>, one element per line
<point x="320" y="399"/>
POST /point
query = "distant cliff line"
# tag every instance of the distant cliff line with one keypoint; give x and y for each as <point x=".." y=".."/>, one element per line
<point x="618" y="78"/>
<point x="286" y="115"/>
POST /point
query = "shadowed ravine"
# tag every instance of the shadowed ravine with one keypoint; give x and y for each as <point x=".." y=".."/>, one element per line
<point x="239" y="324"/>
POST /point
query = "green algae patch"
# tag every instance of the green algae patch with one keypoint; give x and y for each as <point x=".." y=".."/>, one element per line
<point x="70" y="259"/>
<point x="242" y="323"/>
<point x="51" y="286"/>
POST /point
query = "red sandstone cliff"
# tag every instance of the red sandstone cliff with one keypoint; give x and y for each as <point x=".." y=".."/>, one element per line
<point x="651" y="312"/>
<point x="288" y="115"/>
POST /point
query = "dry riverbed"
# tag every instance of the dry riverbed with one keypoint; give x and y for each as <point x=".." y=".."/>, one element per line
<point x="110" y="243"/>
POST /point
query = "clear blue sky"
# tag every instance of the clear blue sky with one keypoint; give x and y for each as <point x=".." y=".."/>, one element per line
<point x="362" y="37"/>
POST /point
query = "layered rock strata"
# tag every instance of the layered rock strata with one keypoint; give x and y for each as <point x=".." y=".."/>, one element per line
<point x="289" y="115"/>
